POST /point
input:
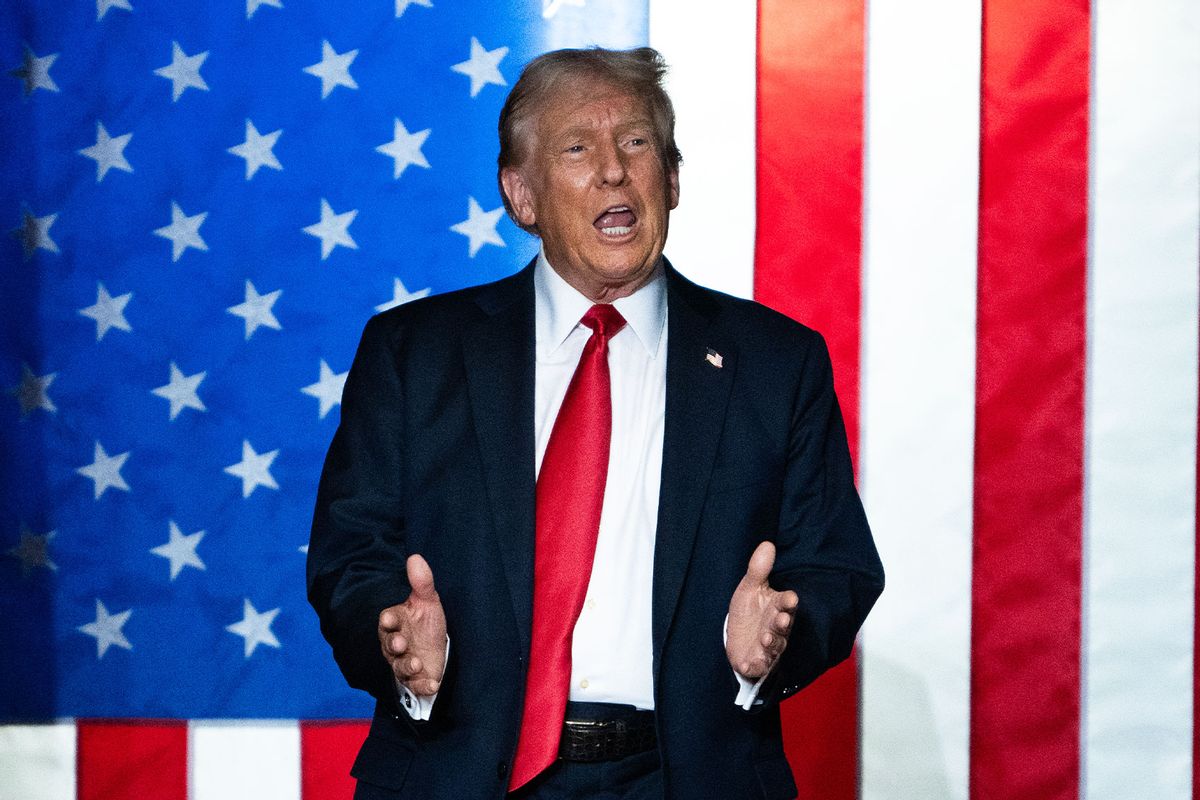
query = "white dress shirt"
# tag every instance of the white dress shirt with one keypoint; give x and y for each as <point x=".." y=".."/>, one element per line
<point x="611" y="647"/>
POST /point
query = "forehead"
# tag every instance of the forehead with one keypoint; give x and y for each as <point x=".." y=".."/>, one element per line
<point x="588" y="103"/>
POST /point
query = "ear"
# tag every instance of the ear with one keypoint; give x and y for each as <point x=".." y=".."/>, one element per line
<point x="520" y="195"/>
<point x="673" y="185"/>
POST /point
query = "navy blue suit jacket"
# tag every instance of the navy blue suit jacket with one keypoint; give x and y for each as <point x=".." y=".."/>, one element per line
<point x="435" y="455"/>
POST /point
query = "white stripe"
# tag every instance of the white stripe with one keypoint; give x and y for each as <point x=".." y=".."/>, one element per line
<point x="37" y="762"/>
<point x="920" y="254"/>
<point x="1141" y="415"/>
<point x="712" y="84"/>
<point x="574" y="23"/>
<point x="232" y="760"/>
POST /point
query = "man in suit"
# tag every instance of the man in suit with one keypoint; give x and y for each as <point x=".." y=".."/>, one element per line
<point x="581" y="530"/>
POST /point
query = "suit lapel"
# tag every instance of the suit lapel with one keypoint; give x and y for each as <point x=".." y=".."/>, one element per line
<point x="498" y="352"/>
<point x="697" y="397"/>
<point x="499" y="356"/>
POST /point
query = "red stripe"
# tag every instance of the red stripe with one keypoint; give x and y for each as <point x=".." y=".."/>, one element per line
<point x="327" y="751"/>
<point x="808" y="265"/>
<point x="1025" y="655"/>
<point x="132" y="760"/>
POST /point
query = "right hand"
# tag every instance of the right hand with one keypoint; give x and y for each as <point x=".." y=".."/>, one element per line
<point x="413" y="633"/>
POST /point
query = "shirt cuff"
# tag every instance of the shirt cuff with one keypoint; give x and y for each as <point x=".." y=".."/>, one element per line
<point x="747" y="696"/>
<point x="419" y="707"/>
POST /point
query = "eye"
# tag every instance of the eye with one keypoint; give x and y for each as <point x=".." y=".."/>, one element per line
<point x="575" y="148"/>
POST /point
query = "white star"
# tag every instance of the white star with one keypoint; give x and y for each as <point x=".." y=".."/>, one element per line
<point x="400" y="295"/>
<point x="405" y="148"/>
<point x="105" y="471"/>
<point x="333" y="229"/>
<point x="108" y="152"/>
<point x="257" y="150"/>
<point x="33" y="551"/>
<point x="256" y="310"/>
<point x="551" y="7"/>
<point x="107" y="629"/>
<point x="252" y="5"/>
<point x="102" y="6"/>
<point x="108" y="311"/>
<point x="181" y="391"/>
<point x="180" y="550"/>
<point x="34" y="72"/>
<point x="402" y="5"/>
<point x="255" y="628"/>
<point x="254" y="469"/>
<point x="31" y="391"/>
<point x="327" y="389"/>
<point x="483" y="67"/>
<point x="333" y="69"/>
<point x="184" y="231"/>
<point x="183" y="72"/>
<point x="480" y="226"/>
<point x="34" y="233"/>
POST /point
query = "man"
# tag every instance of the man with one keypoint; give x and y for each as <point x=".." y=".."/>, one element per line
<point x="582" y="529"/>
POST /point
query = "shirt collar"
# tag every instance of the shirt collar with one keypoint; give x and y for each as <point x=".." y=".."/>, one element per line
<point x="558" y="307"/>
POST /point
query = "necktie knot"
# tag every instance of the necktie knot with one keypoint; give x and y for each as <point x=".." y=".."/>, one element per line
<point x="604" y="319"/>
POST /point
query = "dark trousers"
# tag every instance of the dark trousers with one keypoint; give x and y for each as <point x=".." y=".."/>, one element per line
<point x="636" y="777"/>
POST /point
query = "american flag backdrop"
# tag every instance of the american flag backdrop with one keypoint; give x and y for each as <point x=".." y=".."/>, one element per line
<point x="991" y="210"/>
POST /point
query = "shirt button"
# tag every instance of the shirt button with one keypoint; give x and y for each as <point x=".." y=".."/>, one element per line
<point x="583" y="684"/>
<point x="591" y="603"/>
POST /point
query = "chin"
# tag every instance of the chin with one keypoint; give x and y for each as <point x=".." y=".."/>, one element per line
<point x="622" y="271"/>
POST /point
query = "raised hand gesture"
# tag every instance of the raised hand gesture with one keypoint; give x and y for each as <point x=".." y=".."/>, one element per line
<point x="413" y="633"/>
<point x="760" y="618"/>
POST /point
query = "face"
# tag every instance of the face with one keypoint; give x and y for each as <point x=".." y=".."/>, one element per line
<point x="593" y="182"/>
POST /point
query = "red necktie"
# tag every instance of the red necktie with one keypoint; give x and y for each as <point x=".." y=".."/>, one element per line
<point x="570" y="494"/>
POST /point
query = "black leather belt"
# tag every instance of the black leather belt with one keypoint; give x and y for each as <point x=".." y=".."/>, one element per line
<point x="605" y="732"/>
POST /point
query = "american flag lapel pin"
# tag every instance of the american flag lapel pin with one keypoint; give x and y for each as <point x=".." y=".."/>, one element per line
<point x="714" y="358"/>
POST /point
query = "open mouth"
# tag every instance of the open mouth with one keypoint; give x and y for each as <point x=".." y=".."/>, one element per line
<point x="616" y="221"/>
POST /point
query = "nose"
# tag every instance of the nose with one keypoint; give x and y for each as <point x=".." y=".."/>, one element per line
<point x="610" y="168"/>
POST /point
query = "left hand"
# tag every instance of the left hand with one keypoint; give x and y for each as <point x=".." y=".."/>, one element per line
<point x="760" y="618"/>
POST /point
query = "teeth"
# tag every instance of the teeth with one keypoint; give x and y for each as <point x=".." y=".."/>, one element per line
<point x="616" y="230"/>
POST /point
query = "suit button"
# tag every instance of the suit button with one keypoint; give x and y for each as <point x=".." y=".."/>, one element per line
<point x="502" y="769"/>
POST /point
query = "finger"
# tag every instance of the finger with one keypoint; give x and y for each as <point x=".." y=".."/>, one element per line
<point x="389" y="619"/>
<point x="753" y="668"/>
<point x="413" y="665"/>
<point x="781" y="623"/>
<point x="420" y="578"/>
<point x="396" y="644"/>
<point x="787" y="601"/>
<point x="774" y="649"/>
<point x="760" y="563"/>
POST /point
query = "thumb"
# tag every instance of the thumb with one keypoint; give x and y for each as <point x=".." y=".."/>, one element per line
<point x="760" y="563"/>
<point x="420" y="578"/>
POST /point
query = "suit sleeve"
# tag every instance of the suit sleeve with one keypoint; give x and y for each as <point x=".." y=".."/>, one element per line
<point x="357" y="549"/>
<point x="825" y="552"/>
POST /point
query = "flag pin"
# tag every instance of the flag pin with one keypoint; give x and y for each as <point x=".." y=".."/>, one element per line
<point x="714" y="358"/>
